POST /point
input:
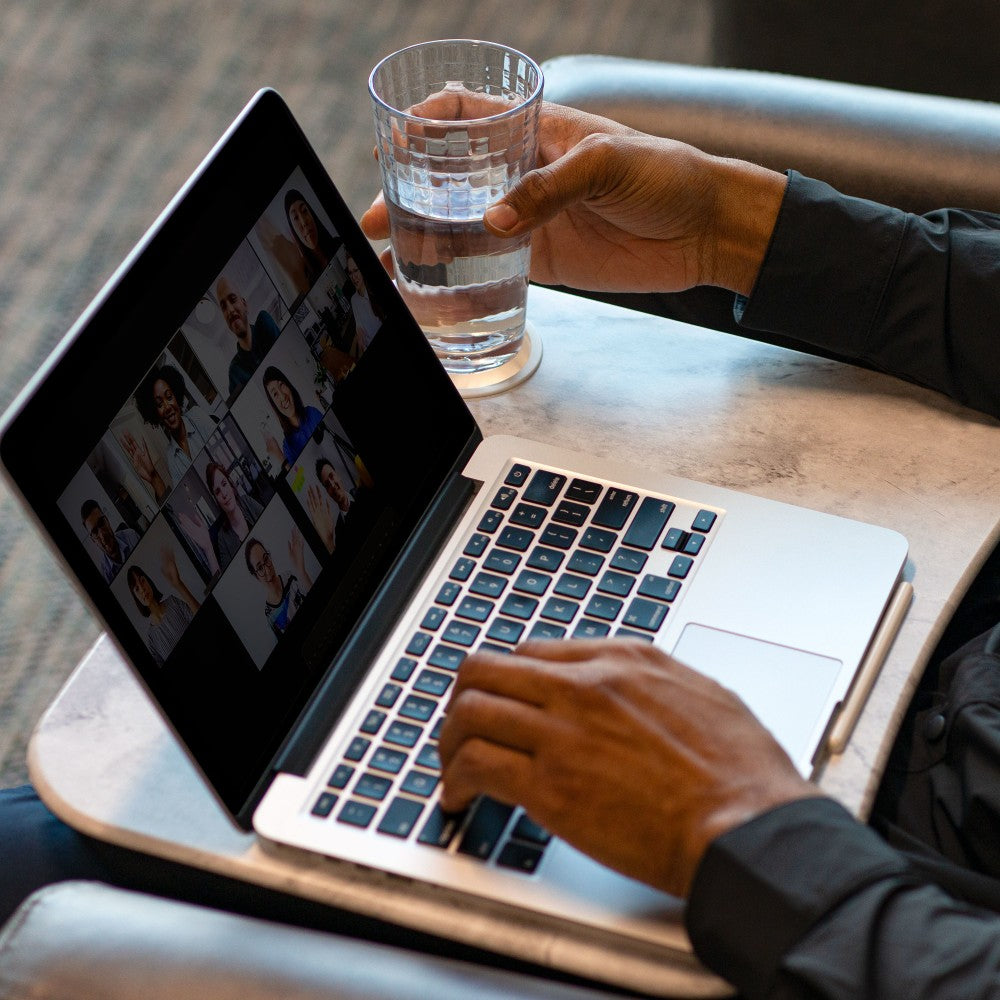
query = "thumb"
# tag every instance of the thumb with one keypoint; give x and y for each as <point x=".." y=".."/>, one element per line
<point x="544" y="192"/>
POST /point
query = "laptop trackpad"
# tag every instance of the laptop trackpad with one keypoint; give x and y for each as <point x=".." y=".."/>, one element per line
<point x="787" y="689"/>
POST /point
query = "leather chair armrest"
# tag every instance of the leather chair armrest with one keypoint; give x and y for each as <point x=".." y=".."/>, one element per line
<point x="915" y="151"/>
<point x="88" y="941"/>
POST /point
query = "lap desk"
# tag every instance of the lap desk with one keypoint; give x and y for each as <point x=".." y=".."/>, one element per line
<point x="696" y="403"/>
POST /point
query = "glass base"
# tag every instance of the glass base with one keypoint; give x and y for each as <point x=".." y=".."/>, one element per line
<point x="511" y="373"/>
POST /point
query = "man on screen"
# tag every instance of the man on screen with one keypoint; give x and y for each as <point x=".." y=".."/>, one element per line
<point x="253" y="340"/>
<point x="114" y="546"/>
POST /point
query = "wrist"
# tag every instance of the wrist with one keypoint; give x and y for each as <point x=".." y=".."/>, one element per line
<point x="747" y="201"/>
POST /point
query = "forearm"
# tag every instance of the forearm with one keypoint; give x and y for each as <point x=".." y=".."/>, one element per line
<point x="914" y="296"/>
<point x="806" y="902"/>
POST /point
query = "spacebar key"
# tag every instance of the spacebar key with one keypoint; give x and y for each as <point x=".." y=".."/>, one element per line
<point x="485" y="827"/>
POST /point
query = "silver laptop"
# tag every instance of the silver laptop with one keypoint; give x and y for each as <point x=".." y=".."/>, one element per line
<point x="295" y="533"/>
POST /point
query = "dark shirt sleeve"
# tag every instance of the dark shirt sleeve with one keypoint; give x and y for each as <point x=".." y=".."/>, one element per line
<point x="915" y="296"/>
<point x="806" y="902"/>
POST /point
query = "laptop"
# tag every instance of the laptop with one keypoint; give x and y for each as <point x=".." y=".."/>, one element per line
<point x="262" y="480"/>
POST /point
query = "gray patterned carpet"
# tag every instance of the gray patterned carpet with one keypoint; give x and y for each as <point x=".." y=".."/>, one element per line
<point x="107" y="105"/>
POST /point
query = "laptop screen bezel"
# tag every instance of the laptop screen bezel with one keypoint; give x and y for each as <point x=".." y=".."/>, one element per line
<point x="100" y="360"/>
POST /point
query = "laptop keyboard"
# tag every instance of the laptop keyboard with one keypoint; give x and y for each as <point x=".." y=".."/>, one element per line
<point x="553" y="557"/>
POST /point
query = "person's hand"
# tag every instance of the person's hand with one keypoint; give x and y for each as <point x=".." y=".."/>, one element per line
<point x="617" y="748"/>
<point x="322" y="515"/>
<point x="613" y="209"/>
<point x="139" y="456"/>
<point x="168" y="565"/>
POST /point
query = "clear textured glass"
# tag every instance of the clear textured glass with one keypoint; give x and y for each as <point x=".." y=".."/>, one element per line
<point x="456" y="124"/>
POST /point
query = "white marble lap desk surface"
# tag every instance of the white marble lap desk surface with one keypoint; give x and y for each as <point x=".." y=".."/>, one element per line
<point x="696" y="403"/>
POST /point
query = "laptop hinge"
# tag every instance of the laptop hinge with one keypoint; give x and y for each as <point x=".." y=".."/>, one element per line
<point x="350" y="665"/>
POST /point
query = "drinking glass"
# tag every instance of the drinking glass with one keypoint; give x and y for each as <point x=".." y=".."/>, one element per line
<point x="456" y="124"/>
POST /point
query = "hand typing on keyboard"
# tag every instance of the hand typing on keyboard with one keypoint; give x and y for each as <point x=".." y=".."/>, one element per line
<point x="617" y="748"/>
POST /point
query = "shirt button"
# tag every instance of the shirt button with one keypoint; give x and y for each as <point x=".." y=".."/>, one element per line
<point x="934" y="727"/>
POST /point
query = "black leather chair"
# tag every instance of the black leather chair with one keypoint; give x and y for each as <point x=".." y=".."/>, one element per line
<point x="917" y="152"/>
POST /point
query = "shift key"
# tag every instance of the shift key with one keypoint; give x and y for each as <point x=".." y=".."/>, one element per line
<point x="649" y="521"/>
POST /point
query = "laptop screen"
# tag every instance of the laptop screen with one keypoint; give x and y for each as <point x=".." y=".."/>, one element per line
<point x="244" y="425"/>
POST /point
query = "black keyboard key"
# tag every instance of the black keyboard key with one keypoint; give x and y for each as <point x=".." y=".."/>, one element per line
<point x="324" y="805"/>
<point x="436" y="731"/>
<point x="446" y="657"/>
<point x="476" y="545"/>
<point x="649" y="521"/>
<point x="485" y="827"/>
<point x="628" y="633"/>
<point x="492" y="647"/>
<point x="544" y="487"/>
<point x="587" y="628"/>
<point x="527" y="829"/>
<point x="403" y="734"/>
<point x="680" y="567"/>
<point x="704" y="521"/>
<point x="419" y="783"/>
<point x="583" y="491"/>
<point x="401" y="817"/>
<point x="440" y="828"/>
<point x="560" y="609"/>
<point x="545" y="559"/>
<point x="504" y="630"/>
<point x="429" y="757"/>
<point x="373" y="786"/>
<point x="648" y="615"/>
<point x="521" y="857"/>
<point x="490" y="521"/>
<point x="357" y="813"/>
<point x="373" y="722"/>
<point x="505" y="496"/>
<point x="558" y="536"/>
<point x="488" y="585"/>
<point x="518" y="475"/>
<point x="603" y="607"/>
<point x="388" y="695"/>
<point x="390" y="761"/>
<point x="598" y="540"/>
<point x="530" y="582"/>
<point x="527" y="515"/>
<point x="404" y="667"/>
<point x="546" y="630"/>
<point x="675" y="539"/>
<point x="619" y="584"/>
<point x="614" y="508"/>
<point x="585" y="562"/>
<point x="571" y="585"/>
<point x="342" y="774"/>
<point x="447" y="594"/>
<point x="432" y="682"/>
<point x="500" y="561"/>
<point x="659" y="587"/>
<point x="518" y="606"/>
<point x="433" y="618"/>
<point x="475" y="609"/>
<point x="694" y="543"/>
<point x="571" y="513"/>
<point x="460" y="633"/>
<point x="462" y="569"/>
<point x="357" y="748"/>
<point x="417" y="708"/>
<point x="417" y="646"/>
<point x="518" y="539"/>
<point x="629" y="560"/>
